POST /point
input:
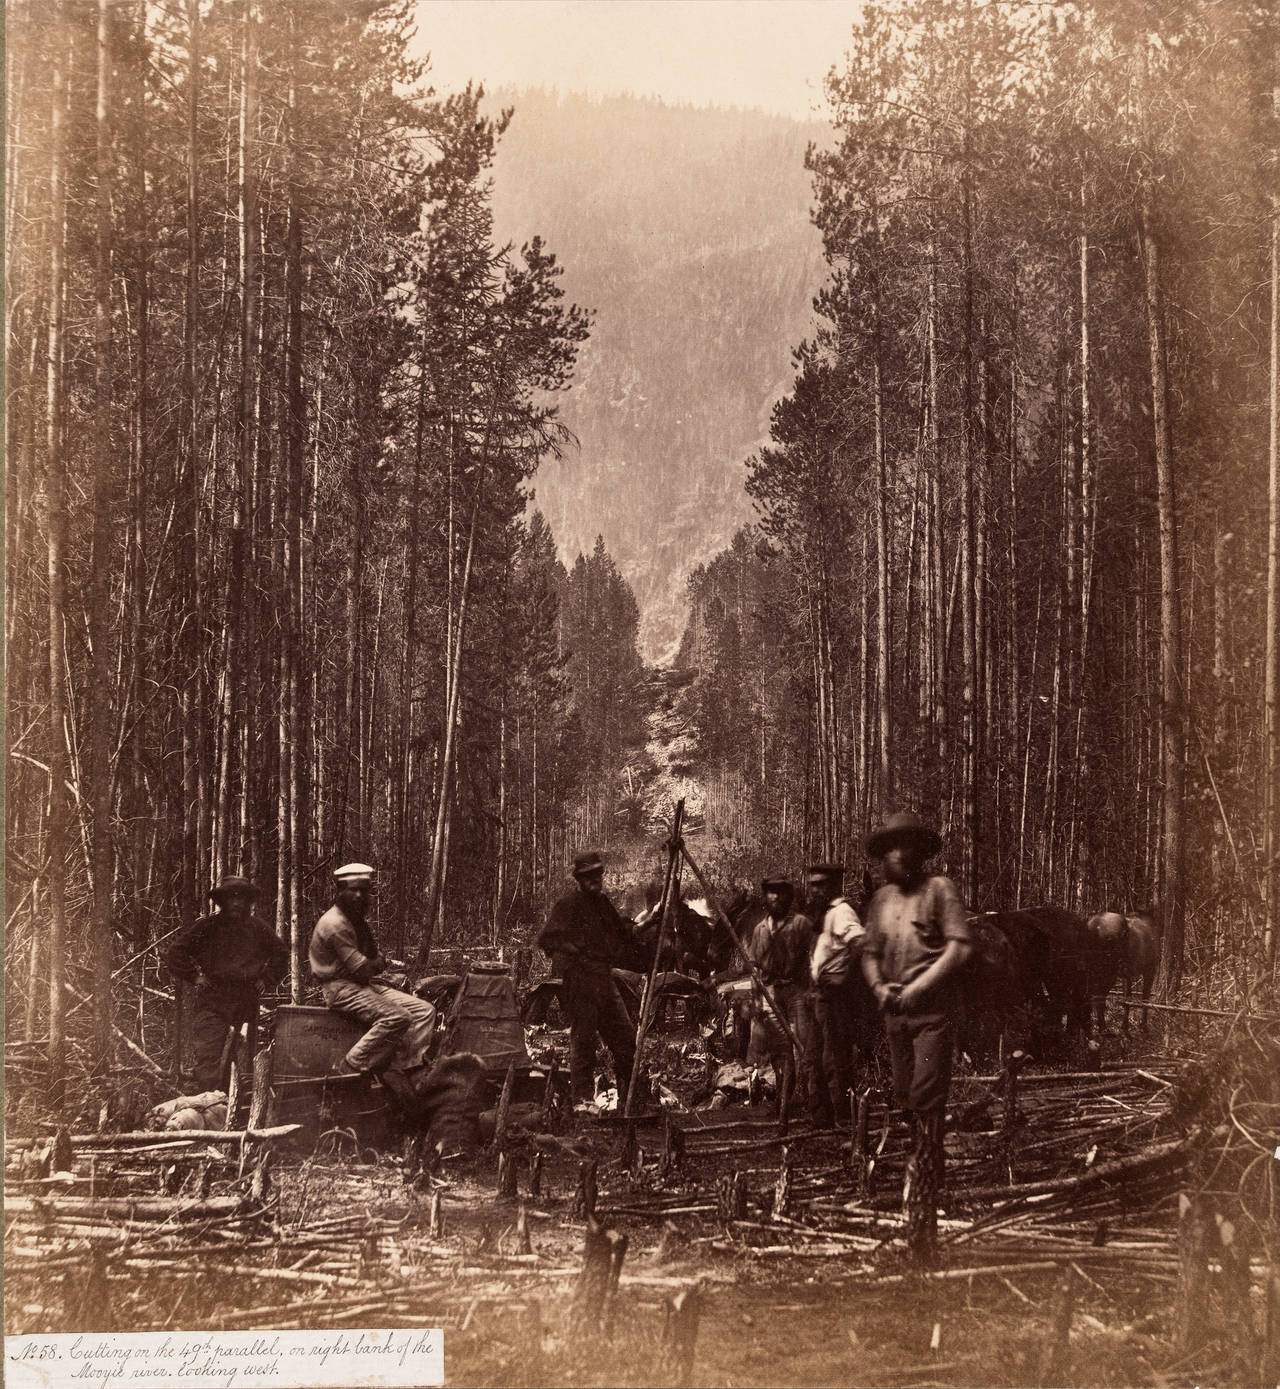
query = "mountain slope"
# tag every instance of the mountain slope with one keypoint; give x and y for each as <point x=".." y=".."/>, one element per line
<point x="687" y="230"/>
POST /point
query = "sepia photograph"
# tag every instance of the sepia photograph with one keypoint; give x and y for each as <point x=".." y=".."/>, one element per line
<point x="642" y="650"/>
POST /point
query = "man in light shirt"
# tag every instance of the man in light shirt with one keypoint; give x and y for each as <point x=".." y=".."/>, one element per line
<point x="355" y="979"/>
<point x="917" y="941"/>
<point x="833" y="970"/>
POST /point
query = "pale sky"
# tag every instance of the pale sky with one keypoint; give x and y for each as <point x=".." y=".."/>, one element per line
<point x="772" y="54"/>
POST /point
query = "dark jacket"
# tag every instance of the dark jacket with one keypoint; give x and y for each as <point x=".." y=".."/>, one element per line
<point x="229" y="952"/>
<point x="585" y="929"/>
<point x="782" y="952"/>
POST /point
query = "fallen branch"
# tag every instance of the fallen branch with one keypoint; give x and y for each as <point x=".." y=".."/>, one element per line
<point x="137" y="1137"/>
<point x="150" y="1208"/>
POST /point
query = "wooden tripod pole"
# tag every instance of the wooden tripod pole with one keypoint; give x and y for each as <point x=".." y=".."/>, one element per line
<point x="756" y="978"/>
<point x="670" y="889"/>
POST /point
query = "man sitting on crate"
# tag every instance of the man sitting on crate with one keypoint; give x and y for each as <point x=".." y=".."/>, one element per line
<point x="355" y="980"/>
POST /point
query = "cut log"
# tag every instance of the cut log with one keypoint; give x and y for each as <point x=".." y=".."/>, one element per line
<point x="680" y="1336"/>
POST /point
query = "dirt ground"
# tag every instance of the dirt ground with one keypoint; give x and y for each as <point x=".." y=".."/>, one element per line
<point x="824" y="1296"/>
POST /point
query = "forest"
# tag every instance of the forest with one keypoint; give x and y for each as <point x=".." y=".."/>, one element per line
<point x="1015" y="561"/>
<point x="350" y="466"/>
<point x="275" y="397"/>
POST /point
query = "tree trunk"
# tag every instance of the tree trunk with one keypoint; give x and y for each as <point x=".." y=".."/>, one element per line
<point x="1172" y="725"/>
<point x="1271" y="758"/>
<point x="102" y="722"/>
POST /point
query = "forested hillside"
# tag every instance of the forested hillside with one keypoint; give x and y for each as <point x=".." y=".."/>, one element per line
<point x="1011" y="563"/>
<point x="689" y="232"/>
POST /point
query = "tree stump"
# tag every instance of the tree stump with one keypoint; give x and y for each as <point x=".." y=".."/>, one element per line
<point x="1009" y="1118"/>
<point x="1193" y="1271"/>
<point x="92" y="1298"/>
<point x="860" y="1147"/>
<point x="1234" y="1254"/>
<point x="922" y="1186"/>
<point x="436" y="1228"/>
<point x="672" y="1149"/>
<point x="731" y="1197"/>
<point x="627" y="1150"/>
<point x="782" y="1190"/>
<point x="671" y="1243"/>
<point x="1057" y="1342"/>
<point x="584" y="1198"/>
<point x="260" y="1185"/>
<point x="261" y="1088"/>
<point x="680" y="1335"/>
<point x="524" y="1245"/>
<point x="504" y="1108"/>
<point x="550" y="1108"/>
<point x="617" y="1242"/>
<point x="508" y="1171"/>
<point x="535" y="1177"/>
<point x="593" y="1280"/>
<point x="60" y="1154"/>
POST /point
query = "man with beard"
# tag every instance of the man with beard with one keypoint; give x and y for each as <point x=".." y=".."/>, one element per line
<point x="834" y="984"/>
<point x="587" y="939"/>
<point x="780" y="945"/>
<point x="230" y="955"/>
<point x="917" y="942"/>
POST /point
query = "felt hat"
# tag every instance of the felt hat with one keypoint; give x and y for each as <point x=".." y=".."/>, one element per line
<point x="587" y="863"/>
<point x="232" y="884"/>
<point x="904" y="827"/>
<point x="353" y="875"/>
<point x="777" y="883"/>
<point x="826" y="870"/>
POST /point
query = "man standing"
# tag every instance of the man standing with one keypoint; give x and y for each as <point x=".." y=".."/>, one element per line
<point x="917" y="941"/>
<point x="587" y="939"/>
<point x="229" y="955"/>
<point x="344" y="961"/>
<point x="834" y="983"/>
<point x="781" y="945"/>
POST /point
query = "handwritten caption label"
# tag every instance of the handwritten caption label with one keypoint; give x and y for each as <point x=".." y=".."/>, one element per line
<point x="392" y="1359"/>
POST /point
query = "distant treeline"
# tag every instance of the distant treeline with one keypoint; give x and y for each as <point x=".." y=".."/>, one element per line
<point x="1011" y="567"/>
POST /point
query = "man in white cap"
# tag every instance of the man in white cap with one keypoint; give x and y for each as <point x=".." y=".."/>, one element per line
<point x="345" y="963"/>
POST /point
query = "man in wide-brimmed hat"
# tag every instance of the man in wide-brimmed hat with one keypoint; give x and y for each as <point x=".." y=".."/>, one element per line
<point x="917" y="941"/>
<point x="780" y="944"/>
<point x="587" y="939"/>
<point x="355" y="979"/>
<point x="228" y="955"/>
